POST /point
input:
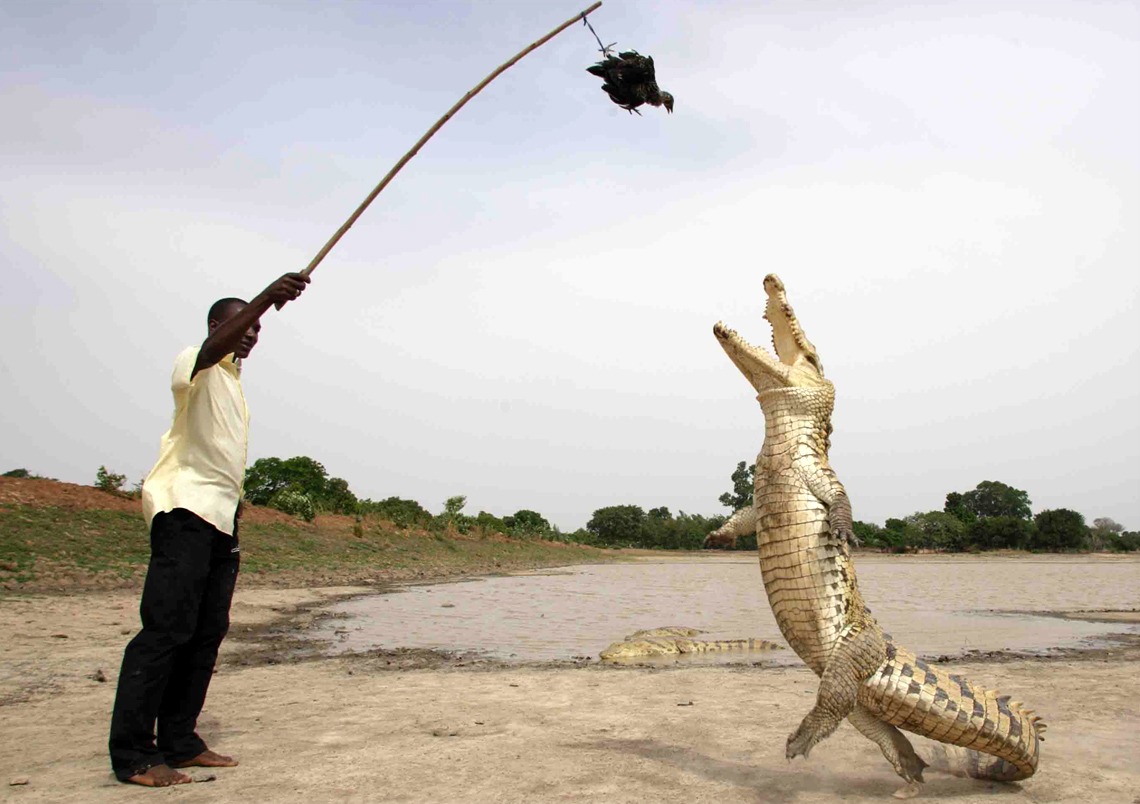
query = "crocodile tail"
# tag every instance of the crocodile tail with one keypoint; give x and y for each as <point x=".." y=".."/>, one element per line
<point x="706" y="646"/>
<point x="926" y="700"/>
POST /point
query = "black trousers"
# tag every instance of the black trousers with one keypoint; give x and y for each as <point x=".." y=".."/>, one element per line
<point x="167" y="667"/>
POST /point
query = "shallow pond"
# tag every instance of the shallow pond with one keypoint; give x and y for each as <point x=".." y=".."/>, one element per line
<point x="932" y="604"/>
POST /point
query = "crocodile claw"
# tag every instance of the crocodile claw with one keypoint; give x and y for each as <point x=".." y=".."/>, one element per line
<point x="847" y="536"/>
<point x="799" y="742"/>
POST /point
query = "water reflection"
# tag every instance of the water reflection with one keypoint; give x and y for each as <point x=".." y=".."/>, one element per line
<point x="935" y="605"/>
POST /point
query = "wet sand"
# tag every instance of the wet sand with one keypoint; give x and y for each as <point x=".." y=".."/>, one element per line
<point x="941" y="605"/>
<point x="413" y="726"/>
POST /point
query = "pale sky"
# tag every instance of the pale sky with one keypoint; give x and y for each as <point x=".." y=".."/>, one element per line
<point x="949" y="190"/>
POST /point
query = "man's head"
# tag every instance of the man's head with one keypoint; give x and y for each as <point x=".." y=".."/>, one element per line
<point x="224" y="309"/>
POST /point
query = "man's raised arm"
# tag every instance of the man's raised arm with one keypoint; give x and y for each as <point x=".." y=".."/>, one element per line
<point x="227" y="336"/>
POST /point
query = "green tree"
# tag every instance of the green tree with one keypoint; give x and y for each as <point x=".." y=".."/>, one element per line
<point x="901" y="535"/>
<point x="267" y="476"/>
<point x="937" y="530"/>
<point x="453" y="505"/>
<point x="1129" y="541"/>
<point x="691" y="530"/>
<point x="17" y="473"/>
<point x="337" y="498"/>
<point x="956" y="506"/>
<point x="742" y="483"/>
<point x="869" y="534"/>
<point x="660" y="529"/>
<point x="617" y="525"/>
<point x="999" y="533"/>
<point x="1059" y="529"/>
<point x="991" y="498"/>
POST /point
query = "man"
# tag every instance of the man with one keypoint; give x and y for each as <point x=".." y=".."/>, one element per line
<point x="191" y="500"/>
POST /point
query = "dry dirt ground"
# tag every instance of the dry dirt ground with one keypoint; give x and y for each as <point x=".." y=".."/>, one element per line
<point x="414" y="727"/>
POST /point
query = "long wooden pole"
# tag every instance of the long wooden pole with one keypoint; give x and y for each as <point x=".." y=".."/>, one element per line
<point x="431" y="131"/>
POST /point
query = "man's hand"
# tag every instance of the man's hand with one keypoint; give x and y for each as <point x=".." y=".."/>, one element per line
<point x="285" y="289"/>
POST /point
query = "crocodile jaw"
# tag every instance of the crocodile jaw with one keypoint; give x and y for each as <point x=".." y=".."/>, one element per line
<point x="795" y="363"/>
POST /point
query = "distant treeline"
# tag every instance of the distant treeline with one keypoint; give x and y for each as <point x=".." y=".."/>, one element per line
<point x="993" y="516"/>
<point x="302" y="487"/>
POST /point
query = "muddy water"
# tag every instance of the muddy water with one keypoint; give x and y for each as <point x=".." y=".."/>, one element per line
<point x="932" y="604"/>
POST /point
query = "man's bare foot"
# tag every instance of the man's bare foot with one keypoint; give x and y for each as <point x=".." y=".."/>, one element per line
<point x="159" y="776"/>
<point x="208" y="759"/>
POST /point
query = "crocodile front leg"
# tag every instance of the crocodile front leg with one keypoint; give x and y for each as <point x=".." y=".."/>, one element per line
<point x="741" y="523"/>
<point x="825" y="485"/>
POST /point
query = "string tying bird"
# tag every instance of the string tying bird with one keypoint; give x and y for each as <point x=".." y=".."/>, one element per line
<point x="630" y="81"/>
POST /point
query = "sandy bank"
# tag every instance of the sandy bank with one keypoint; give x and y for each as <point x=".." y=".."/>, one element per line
<point x="372" y="728"/>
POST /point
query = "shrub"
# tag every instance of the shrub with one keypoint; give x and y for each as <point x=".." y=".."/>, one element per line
<point x="525" y="522"/>
<point x="489" y="523"/>
<point x="400" y="512"/>
<point x="25" y="474"/>
<point x="452" y="516"/>
<point x="109" y="481"/>
<point x="294" y="502"/>
<point x="936" y="530"/>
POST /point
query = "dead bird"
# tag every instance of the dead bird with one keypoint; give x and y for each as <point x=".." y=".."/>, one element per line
<point x="630" y="81"/>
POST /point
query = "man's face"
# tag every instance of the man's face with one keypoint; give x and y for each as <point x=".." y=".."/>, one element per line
<point x="249" y="340"/>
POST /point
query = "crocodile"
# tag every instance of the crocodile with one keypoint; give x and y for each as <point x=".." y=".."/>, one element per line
<point x="674" y="640"/>
<point x="803" y="525"/>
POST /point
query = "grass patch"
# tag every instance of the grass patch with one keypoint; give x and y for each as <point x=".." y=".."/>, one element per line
<point x="44" y="548"/>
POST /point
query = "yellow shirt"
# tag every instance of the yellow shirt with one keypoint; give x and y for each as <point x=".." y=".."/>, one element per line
<point x="201" y="462"/>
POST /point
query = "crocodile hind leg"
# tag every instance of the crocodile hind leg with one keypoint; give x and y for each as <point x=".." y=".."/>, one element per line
<point x="895" y="747"/>
<point x="856" y="656"/>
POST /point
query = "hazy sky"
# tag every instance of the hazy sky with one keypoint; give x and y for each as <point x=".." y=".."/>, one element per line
<point x="949" y="190"/>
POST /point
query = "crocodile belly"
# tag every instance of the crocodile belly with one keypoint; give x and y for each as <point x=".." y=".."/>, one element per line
<point x="803" y="569"/>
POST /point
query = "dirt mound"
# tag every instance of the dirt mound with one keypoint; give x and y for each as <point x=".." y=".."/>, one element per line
<point x="73" y="497"/>
<point x="52" y="493"/>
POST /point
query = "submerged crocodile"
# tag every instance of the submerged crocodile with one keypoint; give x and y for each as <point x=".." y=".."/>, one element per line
<point x="673" y="640"/>
<point x="803" y="525"/>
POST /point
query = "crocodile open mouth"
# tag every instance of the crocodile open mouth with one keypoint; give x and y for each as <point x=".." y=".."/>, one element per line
<point x="794" y="363"/>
